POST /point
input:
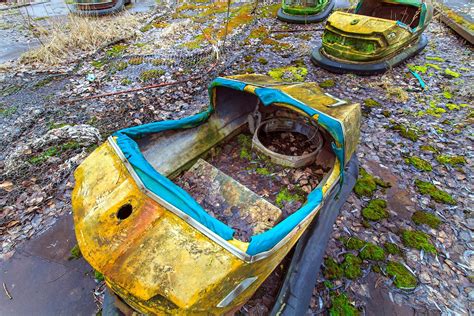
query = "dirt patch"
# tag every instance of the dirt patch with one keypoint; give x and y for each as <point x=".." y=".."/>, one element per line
<point x="287" y="143"/>
<point x="398" y="199"/>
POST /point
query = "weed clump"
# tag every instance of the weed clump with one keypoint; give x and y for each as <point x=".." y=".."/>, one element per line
<point x="419" y="163"/>
<point x="436" y="194"/>
<point x="403" y="278"/>
<point x="375" y="210"/>
<point x="417" y="240"/>
<point x="428" y="148"/>
<point x="421" y="217"/>
<point x="136" y="61"/>
<point x="262" y="61"/>
<point x="451" y="74"/>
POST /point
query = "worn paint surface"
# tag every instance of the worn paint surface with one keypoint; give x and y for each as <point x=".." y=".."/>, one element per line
<point x="153" y="259"/>
<point x="362" y="38"/>
<point x="156" y="261"/>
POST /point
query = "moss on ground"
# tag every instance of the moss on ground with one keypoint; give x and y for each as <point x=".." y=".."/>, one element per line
<point x="451" y="160"/>
<point x="435" y="58"/>
<point x="351" y="266"/>
<point x="332" y="270"/>
<point x="75" y="253"/>
<point x="136" y="61"/>
<point x="116" y="50"/>
<point x="428" y="148"/>
<point x="118" y="66"/>
<point x="421" y="217"/>
<point x="436" y="194"/>
<point x="366" y="184"/>
<point x="371" y="251"/>
<point x="403" y="277"/>
<point x="289" y="73"/>
<point x="419" y="163"/>
<point x="451" y="74"/>
<point x="53" y="151"/>
<point x="329" y="83"/>
<point x="149" y="75"/>
<point x="7" y="111"/>
<point x="371" y="103"/>
<point x="418" y="68"/>
<point x="352" y="243"/>
<point x="407" y="132"/>
<point x="392" y="248"/>
<point x="98" y="276"/>
<point x="263" y="171"/>
<point x="375" y="210"/>
<point x="340" y="306"/>
<point x="417" y="240"/>
<point x="262" y="61"/>
<point x="286" y="196"/>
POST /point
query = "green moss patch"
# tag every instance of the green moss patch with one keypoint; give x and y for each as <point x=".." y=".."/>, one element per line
<point x="329" y="83"/>
<point x="451" y="74"/>
<point x="75" y="253"/>
<point x="116" y="50"/>
<point x="152" y="74"/>
<point x="262" y="61"/>
<point x="136" y="61"/>
<point x="436" y="194"/>
<point x="332" y="270"/>
<point x="435" y="58"/>
<point x="407" y="132"/>
<point x="286" y="196"/>
<point x="428" y="148"/>
<point x="98" y="276"/>
<point x="352" y="243"/>
<point x="403" y="277"/>
<point x="371" y="103"/>
<point x="289" y="73"/>
<point x="351" y="266"/>
<point x="421" y="217"/>
<point x="417" y="240"/>
<point x="340" y="306"/>
<point x="451" y="160"/>
<point x="392" y="248"/>
<point x="419" y="163"/>
<point x="7" y="111"/>
<point x="418" y="68"/>
<point x="375" y="210"/>
<point x="371" y="251"/>
<point x="263" y="171"/>
<point x="366" y="184"/>
<point x="53" y="151"/>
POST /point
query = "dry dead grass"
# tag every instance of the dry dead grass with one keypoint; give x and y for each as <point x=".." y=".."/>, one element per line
<point x="63" y="40"/>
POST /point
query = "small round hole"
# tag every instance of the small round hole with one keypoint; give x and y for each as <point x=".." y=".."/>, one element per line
<point x="125" y="211"/>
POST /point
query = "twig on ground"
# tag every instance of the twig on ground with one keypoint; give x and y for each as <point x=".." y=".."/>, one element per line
<point x="6" y="291"/>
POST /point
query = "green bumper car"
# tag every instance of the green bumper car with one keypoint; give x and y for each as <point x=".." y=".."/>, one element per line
<point x="305" y="11"/>
<point x="378" y="36"/>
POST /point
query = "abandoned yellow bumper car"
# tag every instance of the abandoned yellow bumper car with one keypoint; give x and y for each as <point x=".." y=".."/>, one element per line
<point x="191" y="216"/>
<point x="378" y="36"/>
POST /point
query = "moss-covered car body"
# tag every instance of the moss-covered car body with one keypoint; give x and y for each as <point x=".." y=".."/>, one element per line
<point x="305" y="11"/>
<point x="376" y="32"/>
<point x="157" y="249"/>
